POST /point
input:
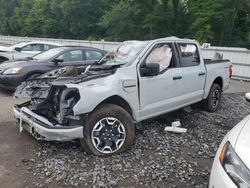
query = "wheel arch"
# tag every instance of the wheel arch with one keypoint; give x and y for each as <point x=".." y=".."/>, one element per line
<point x="3" y="59"/>
<point x="117" y="100"/>
<point x="212" y="101"/>
<point x="33" y="72"/>
<point x="218" y="81"/>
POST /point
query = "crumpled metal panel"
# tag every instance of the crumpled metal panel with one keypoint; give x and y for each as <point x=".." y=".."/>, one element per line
<point x="36" y="88"/>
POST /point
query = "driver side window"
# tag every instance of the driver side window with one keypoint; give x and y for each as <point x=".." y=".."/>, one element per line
<point x="161" y="54"/>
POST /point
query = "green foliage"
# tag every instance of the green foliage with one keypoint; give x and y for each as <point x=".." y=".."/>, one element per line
<point x="220" y="22"/>
<point x="121" y="22"/>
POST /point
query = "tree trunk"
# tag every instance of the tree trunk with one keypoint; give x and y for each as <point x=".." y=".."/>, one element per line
<point x="175" y="5"/>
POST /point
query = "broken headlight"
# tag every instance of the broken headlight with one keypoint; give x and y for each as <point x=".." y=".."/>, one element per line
<point x="64" y="102"/>
<point x="234" y="166"/>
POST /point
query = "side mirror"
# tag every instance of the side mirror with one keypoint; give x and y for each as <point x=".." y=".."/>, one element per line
<point x="150" y="69"/>
<point x="57" y="61"/>
<point x="18" y="49"/>
<point x="247" y="96"/>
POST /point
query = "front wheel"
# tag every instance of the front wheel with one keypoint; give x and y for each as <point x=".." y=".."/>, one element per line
<point x="110" y="130"/>
<point x="212" y="102"/>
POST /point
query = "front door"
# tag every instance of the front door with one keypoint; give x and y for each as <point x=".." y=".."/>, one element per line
<point x="159" y="94"/>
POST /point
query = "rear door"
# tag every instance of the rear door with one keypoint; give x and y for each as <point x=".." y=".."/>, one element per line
<point x="193" y="73"/>
<point x="159" y="94"/>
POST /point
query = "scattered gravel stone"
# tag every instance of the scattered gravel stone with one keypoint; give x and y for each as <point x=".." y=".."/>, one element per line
<point x="33" y="160"/>
<point x="83" y="165"/>
<point x="113" y="183"/>
<point x="157" y="158"/>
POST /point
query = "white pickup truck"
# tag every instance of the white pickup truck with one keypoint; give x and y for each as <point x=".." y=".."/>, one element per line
<point x="140" y="80"/>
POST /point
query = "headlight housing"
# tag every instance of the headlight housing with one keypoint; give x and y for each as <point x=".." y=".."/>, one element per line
<point x="234" y="166"/>
<point x="11" y="71"/>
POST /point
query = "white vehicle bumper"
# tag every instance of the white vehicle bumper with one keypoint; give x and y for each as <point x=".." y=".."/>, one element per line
<point x="219" y="178"/>
<point x="42" y="129"/>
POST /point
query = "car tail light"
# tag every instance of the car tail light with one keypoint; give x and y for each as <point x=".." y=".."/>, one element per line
<point x="230" y="71"/>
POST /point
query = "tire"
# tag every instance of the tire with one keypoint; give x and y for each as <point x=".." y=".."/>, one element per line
<point x="212" y="102"/>
<point x="3" y="59"/>
<point x="33" y="76"/>
<point x="117" y="136"/>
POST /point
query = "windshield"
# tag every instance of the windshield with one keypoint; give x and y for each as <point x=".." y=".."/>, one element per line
<point x="48" y="54"/>
<point x="124" y="54"/>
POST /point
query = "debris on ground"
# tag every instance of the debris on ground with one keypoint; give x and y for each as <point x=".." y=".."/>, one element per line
<point x="175" y="128"/>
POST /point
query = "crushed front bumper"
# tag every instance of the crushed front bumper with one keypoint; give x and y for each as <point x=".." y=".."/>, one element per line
<point x="42" y="129"/>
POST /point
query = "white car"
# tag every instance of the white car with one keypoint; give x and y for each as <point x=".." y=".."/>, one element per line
<point x="24" y="49"/>
<point x="231" y="166"/>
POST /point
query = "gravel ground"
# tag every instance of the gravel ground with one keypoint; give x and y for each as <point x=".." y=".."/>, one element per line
<point x="157" y="159"/>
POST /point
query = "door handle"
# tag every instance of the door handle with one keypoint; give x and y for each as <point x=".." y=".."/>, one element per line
<point x="202" y="73"/>
<point x="177" y="77"/>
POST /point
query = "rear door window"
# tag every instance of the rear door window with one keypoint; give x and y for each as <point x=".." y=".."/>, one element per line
<point x="33" y="47"/>
<point x="189" y="54"/>
<point x="74" y="55"/>
<point x="93" y="55"/>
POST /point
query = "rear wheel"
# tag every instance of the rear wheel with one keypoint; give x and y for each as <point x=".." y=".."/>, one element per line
<point x="212" y="102"/>
<point x="110" y="130"/>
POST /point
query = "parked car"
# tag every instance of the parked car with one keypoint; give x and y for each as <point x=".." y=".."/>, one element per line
<point x="13" y="73"/>
<point x="231" y="166"/>
<point x="24" y="49"/>
<point x="140" y="80"/>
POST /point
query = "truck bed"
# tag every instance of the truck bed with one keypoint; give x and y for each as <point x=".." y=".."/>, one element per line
<point x="210" y="61"/>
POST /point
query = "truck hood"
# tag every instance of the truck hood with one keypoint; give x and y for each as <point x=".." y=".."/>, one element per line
<point x="242" y="146"/>
<point x="40" y="87"/>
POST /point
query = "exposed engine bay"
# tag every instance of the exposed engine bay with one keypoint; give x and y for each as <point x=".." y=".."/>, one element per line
<point x="50" y="98"/>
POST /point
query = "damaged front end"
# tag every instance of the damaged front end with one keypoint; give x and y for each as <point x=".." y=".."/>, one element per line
<point x="51" y="116"/>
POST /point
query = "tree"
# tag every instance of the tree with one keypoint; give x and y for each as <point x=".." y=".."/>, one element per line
<point x="142" y="19"/>
<point x="220" y="22"/>
<point x="6" y="11"/>
<point x="120" y="22"/>
<point x="39" y="21"/>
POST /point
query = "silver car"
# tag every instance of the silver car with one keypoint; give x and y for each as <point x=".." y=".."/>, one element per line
<point x="24" y="49"/>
